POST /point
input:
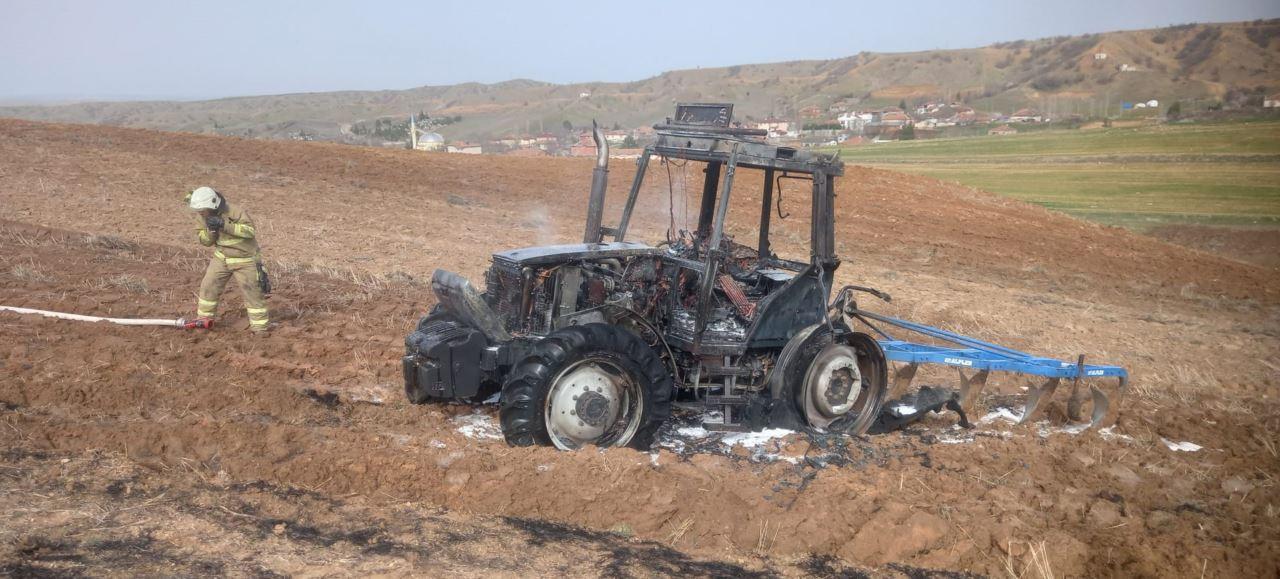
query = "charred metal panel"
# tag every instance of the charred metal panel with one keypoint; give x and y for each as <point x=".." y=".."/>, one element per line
<point x="570" y="284"/>
<point x="443" y="361"/>
<point x="705" y="115"/>
<point x="553" y="254"/>
<point x="797" y="304"/>
<point x="706" y="211"/>
<point x="465" y="303"/>
<point x="699" y="145"/>
<point x="766" y="212"/>
<point x="823" y="241"/>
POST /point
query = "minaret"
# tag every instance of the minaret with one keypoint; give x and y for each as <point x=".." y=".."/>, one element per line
<point x="413" y="133"/>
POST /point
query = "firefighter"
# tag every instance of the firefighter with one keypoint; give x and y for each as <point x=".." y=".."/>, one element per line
<point x="229" y="230"/>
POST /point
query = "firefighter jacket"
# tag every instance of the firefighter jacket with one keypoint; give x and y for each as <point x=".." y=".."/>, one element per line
<point x="236" y="241"/>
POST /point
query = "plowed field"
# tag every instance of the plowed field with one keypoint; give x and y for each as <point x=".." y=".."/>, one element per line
<point x="131" y="450"/>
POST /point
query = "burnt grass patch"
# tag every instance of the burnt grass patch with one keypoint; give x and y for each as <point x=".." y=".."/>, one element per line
<point x="830" y="567"/>
<point x="624" y="556"/>
<point x="326" y="399"/>
<point x="16" y="454"/>
<point x="432" y="538"/>
<point x="372" y="540"/>
<point x="38" y="556"/>
<point x="913" y="572"/>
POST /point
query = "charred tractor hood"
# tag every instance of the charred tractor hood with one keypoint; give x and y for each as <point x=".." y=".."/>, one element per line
<point x="552" y="254"/>
<point x="454" y="352"/>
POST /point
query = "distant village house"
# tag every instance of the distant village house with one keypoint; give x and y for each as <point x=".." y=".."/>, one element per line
<point x="773" y="126"/>
<point x="1026" y="116"/>
<point x="465" y="148"/>
<point x="894" y="119"/>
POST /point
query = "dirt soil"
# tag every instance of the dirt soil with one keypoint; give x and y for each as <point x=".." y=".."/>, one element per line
<point x="1257" y="246"/>
<point x="155" y="451"/>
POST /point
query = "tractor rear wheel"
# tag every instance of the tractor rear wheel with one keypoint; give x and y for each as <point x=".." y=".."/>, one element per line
<point x="594" y="384"/>
<point x="839" y="386"/>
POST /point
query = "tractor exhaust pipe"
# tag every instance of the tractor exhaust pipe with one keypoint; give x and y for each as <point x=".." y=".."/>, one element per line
<point x="599" y="181"/>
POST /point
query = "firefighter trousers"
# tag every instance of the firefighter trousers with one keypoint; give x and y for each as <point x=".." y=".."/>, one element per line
<point x="245" y="271"/>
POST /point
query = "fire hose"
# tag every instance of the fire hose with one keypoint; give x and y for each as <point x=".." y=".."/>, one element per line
<point x="202" y="324"/>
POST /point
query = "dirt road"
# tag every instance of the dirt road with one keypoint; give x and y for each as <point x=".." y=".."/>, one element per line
<point x="139" y="450"/>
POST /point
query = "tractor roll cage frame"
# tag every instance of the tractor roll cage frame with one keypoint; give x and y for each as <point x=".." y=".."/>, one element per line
<point x="724" y="151"/>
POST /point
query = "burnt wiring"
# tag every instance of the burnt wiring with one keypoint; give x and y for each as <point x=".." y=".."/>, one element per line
<point x="671" y="196"/>
<point x="644" y="323"/>
<point x="671" y="199"/>
<point x="778" y="187"/>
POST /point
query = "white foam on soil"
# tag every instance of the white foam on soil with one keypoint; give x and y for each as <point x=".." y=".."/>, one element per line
<point x="754" y="439"/>
<point x="771" y="456"/>
<point x="1183" y="446"/>
<point x="1109" y="433"/>
<point x="692" y="432"/>
<point x="955" y="438"/>
<point x="478" y="426"/>
<point x="1045" y="429"/>
<point x="904" y="410"/>
<point x="673" y="444"/>
<point x="1005" y="414"/>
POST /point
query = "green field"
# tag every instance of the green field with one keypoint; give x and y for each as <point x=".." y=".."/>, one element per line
<point x="1224" y="174"/>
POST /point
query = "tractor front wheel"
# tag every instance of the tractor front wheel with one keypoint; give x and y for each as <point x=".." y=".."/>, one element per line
<point x="594" y="384"/>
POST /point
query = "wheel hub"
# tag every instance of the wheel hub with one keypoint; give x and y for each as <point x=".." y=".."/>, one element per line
<point x="593" y="408"/>
<point x="584" y="404"/>
<point x="832" y="385"/>
<point x="841" y="384"/>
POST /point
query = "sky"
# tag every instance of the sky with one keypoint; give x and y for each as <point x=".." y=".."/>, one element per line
<point x="181" y="49"/>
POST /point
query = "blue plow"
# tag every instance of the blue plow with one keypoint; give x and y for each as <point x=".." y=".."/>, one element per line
<point x="981" y="358"/>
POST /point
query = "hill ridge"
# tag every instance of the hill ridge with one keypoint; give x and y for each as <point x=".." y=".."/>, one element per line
<point x="1084" y="74"/>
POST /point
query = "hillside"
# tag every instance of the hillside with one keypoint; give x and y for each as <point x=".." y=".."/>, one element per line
<point x="1060" y="75"/>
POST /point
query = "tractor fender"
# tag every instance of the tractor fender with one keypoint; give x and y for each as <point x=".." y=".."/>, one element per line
<point x="864" y="343"/>
<point x="777" y="377"/>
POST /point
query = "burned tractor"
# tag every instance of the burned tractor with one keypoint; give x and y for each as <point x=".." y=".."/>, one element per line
<point x="593" y="343"/>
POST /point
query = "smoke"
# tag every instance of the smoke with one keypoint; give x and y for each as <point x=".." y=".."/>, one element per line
<point x="539" y="219"/>
<point x="665" y="203"/>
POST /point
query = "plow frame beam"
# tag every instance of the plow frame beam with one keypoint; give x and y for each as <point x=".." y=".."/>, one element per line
<point x="982" y="358"/>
